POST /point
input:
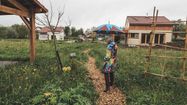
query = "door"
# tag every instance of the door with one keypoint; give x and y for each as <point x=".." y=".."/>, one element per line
<point x="145" y="38"/>
<point x="156" y="39"/>
<point x="162" y="38"/>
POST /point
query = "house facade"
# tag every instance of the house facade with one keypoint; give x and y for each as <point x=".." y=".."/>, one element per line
<point x="138" y="30"/>
<point x="46" y="34"/>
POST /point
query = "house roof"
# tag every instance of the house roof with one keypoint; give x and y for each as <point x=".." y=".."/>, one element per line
<point x="47" y="29"/>
<point x="147" y="20"/>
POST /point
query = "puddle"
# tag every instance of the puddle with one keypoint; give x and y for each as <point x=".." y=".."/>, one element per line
<point x="5" y="63"/>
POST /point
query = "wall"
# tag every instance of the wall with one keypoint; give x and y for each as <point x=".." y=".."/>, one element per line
<point x="150" y="28"/>
<point x="59" y="36"/>
<point x="43" y="37"/>
<point x="132" y="41"/>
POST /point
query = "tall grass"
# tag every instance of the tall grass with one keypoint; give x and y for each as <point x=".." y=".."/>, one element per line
<point x="150" y="90"/>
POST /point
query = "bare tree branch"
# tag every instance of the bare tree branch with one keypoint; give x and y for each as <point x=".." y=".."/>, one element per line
<point x="46" y="20"/>
<point x="60" y="14"/>
<point x="40" y="21"/>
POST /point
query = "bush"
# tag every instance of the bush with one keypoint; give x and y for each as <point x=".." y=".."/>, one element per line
<point x="54" y="95"/>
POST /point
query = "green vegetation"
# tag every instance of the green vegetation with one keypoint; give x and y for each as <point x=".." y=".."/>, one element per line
<point x="72" y="31"/>
<point x="15" y="31"/>
<point x="42" y="82"/>
<point x="130" y="78"/>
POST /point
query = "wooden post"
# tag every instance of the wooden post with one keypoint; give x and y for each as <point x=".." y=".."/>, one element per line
<point x="186" y="35"/>
<point x="152" y="34"/>
<point x="164" y="63"/>
<point x="184" y="60"/>
<point x="32" y="38"/>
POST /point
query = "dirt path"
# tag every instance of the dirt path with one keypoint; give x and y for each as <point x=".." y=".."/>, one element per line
<point x="114" y="96"/>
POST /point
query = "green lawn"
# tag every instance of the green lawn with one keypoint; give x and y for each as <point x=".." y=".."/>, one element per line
<point x="44" y="83"/>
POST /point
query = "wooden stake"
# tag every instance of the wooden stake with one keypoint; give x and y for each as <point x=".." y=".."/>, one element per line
<point x="184" y="60"/>
<point x="152" y="34"/>
<point x="186" y="35"/>
<point x="171" y="47"/>
<point x="164" y="64"/>
<point x="164" y="76"/>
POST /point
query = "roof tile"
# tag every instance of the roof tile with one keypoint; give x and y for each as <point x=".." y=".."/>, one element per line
<point x="147" y="20"/>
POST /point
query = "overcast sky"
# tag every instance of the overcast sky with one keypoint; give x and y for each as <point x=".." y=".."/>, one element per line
<point x="89" y="13"/>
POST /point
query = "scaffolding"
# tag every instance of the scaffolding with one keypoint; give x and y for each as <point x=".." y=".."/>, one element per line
<point x="163" y="58"/>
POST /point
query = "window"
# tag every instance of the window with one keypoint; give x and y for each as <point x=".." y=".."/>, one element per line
<point x="134" y="35"/>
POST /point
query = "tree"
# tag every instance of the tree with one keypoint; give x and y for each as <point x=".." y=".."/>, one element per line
<point x="47" y="20"/>
<point x="3" y="32"/>
<point x="11" y="33"/>
<point x="67" y="31"/>
<point x="80" y="31"/>
<point x="73" y="31"/>
<point x="179" y="27"/>
<point x="21" y="31"/>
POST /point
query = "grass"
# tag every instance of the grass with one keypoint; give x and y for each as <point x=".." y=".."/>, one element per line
<point x="43" y="82"/>
<point x="14" y="50"/>
<point x="130" y="78"/>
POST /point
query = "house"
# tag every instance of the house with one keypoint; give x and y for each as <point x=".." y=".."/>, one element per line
<point x="138" y="30"/>
<point x="46" y="34"/>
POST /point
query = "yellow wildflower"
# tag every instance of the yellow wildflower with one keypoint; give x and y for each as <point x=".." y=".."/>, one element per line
<point x="48" y="94"/>
<point x="66" y="69"/>
<point x="69" y="68"/>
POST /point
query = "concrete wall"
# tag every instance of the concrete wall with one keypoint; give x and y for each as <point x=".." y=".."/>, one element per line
<point x="48" y="36"/>
<point x="43" y="37"/>
<point x="133" y="41"/>
<point x="168" y="37"/>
